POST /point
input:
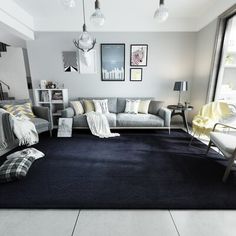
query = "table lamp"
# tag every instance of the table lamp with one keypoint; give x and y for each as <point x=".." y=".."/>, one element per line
<point x="180" y="86"/>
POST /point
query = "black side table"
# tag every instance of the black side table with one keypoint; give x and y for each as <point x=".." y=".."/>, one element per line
<point x="181" y="111"/>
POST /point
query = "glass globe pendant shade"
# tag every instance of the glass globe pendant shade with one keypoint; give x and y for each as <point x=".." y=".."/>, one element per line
<point x="68" y="3"/>
<point x="161" y="14"/>
<point x="85" y="41"/>
<point x="97" y="18"/>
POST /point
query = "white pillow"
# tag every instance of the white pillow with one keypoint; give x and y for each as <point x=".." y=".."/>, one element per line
<point x="144" y="106"/>
<point x="28" y="152"/>
<point x="101" y="106"/>
<point x="77" y="106"/>
<point x="132" y="106"/>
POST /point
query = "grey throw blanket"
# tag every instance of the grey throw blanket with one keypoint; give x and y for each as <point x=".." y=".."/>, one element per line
<point x="6" y="134"/>
<point x="3" y="143"/>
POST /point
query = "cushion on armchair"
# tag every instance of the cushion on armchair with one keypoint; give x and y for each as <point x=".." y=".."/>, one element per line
<point x="20" y="110"/>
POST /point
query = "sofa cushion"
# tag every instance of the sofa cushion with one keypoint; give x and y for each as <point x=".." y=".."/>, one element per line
<point x="81" y="120"/>
<point x="132" y="106"/>
<point x="139" y="120"/>
<point x="112" y="102"/>
<point x="88" y="106"/>
<point x="77" y="106"/>
<point x="155" y="106"/>
<point x="121" y="102"/>
<point x="144" y="106"/>
<point x="101" y="106"/>
<point x="41" y="125"/>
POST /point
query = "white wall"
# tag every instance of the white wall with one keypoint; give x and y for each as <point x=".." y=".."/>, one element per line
<point x="171" y="58"/>
<point x="205" y="43"/>
<point x="12" y="72"/>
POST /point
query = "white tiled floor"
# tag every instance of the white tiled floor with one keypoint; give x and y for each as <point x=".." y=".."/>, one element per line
<point x="116" y="223"/>
<point x="205" y="223"/>
<point x="37" y="222"/>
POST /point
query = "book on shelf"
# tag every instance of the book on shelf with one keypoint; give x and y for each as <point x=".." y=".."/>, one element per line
<point x="57" y="95"/>
<point x="44" y="96"/>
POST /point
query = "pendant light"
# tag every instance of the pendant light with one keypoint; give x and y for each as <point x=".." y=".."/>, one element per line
<point x="97" y="18"/>
<point x="85" y="42"/>
<point x="161" y="14"/>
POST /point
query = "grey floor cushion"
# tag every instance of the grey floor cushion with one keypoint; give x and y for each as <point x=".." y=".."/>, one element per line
<point x="14" y="169"/>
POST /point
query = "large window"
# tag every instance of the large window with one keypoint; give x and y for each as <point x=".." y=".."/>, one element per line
<point x="225" y="88"/>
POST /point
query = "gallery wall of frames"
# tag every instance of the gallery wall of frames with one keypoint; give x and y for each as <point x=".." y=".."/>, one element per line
<point x="112" y="61"/>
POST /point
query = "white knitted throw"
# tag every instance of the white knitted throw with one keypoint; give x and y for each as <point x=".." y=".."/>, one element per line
<point x="99" y="125"/>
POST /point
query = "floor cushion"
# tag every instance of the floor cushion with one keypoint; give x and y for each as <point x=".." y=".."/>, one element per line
<point x="14" y="169"/>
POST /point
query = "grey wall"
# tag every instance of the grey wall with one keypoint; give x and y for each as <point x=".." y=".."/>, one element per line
<point x="171" y="58"/>
<point x="12" y="72"/>
<point x="205" y="43"/>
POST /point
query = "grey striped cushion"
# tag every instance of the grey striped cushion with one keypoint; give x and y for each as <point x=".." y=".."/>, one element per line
<point x="14" y="169"/>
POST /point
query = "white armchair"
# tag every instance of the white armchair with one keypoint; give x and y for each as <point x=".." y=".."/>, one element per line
<point x="226" y="143"/>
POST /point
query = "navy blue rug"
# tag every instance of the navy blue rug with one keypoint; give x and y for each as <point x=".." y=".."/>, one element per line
<point x="139" y="170"/>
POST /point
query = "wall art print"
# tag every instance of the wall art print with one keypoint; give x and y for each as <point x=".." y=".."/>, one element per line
<point x="113" y="62"/>
<point x="138" y="54"/>
<point x="136" y="74"/>
<point x="70" y="61"/>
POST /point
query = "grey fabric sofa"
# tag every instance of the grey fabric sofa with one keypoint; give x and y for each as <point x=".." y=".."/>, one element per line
<point x="118" y="119"/>
<point x="42" y="121"/>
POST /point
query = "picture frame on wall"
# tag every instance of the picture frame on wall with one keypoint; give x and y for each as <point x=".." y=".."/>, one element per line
<point x="136" y="74"/>
<point x="70" y="61"/>
<point x="88" y="62"/>
<point x="113" y="62"/>
<point x="138" y="54"/>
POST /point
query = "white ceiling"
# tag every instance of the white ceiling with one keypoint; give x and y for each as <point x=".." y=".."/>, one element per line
<point x="125" y="15"/>
<point x="178" y="8"/>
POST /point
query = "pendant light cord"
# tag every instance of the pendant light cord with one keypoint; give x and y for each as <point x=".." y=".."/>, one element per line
<point x="84" y="11"/>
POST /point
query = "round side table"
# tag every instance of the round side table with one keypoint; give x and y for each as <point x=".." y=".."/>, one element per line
<point x="181" y="111"/>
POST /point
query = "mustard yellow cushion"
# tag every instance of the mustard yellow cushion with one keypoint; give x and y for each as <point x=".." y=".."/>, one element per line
<point x="88" y="106"/>
<point x="143" y="106"/>
<point x="20" y="110"/>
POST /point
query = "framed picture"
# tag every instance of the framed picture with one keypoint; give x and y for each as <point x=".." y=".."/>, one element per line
<point x="138" y="54"/>
<point x="64" y="127"/>
<point x="113" y="62"/>
<point x="136" y="74"/>
<point x="70" y="61"/>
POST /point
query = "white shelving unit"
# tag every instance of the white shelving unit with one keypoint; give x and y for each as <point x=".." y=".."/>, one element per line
<point x="55" y="99"/>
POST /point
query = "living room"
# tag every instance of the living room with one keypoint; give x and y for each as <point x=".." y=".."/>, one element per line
<point x="117" y="117"/>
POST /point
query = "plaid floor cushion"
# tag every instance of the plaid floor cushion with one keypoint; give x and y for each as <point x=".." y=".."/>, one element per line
<point x="14" y="169"/>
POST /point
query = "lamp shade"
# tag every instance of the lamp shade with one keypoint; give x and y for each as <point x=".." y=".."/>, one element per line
<point x="181" y="86"/>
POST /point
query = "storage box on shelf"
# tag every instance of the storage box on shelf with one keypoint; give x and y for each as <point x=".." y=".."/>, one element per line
<point x="55" y="99"/>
